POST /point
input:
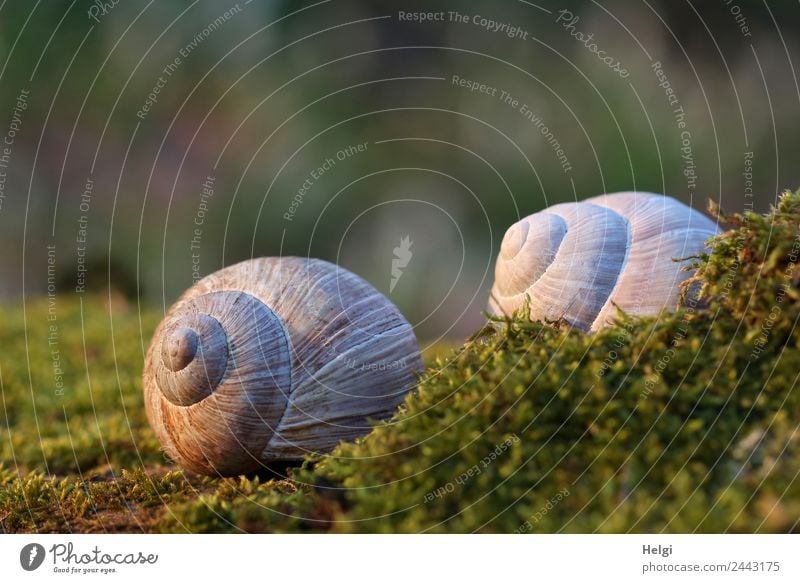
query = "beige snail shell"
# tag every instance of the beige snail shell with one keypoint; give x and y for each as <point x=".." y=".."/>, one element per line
<point x="577" y="261"/>
<point x="271" y="359"/>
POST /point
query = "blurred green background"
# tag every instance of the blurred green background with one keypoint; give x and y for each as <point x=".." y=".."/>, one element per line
<point x="154" y="142"/>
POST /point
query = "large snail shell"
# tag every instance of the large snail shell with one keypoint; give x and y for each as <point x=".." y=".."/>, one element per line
<point x="271" y="359"/>
<point x="576" y="261"/>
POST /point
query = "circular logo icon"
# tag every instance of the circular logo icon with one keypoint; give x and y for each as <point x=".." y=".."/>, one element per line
<point x="31" y="556"/>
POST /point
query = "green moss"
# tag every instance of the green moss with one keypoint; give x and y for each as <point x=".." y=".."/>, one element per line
<point x="681" y="423"/>
<point x="646" y="424"/>
<point x="246" y="505"/>
<point x="96" y="416"/>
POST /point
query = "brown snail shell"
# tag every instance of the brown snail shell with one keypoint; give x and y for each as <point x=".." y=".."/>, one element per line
<point x="271" y="359"/>
<point x="580" y="261"/>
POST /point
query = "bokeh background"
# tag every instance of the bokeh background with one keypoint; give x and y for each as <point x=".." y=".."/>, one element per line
<point x="125" y="168"/>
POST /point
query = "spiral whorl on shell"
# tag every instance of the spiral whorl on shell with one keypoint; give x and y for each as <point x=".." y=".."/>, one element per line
<point x="576" y="261"/>
<point x="271" y="359"/>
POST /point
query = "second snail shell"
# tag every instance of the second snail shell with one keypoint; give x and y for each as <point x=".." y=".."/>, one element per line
<point x="271" y="359"/>
<point x="580" y="261"/>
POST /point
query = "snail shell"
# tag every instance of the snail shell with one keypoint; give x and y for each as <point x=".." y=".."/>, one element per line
<point x="576" y="261"/>
<point x="271" y="359"/>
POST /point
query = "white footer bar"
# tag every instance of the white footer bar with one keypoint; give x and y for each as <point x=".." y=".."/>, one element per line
<point x="401" y="558"/>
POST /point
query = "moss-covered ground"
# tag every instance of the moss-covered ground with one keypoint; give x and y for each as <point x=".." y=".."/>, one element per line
<point x="683" y="423"/>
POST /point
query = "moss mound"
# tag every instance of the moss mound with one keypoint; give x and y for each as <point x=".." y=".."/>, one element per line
<point x="681" y="423"/>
